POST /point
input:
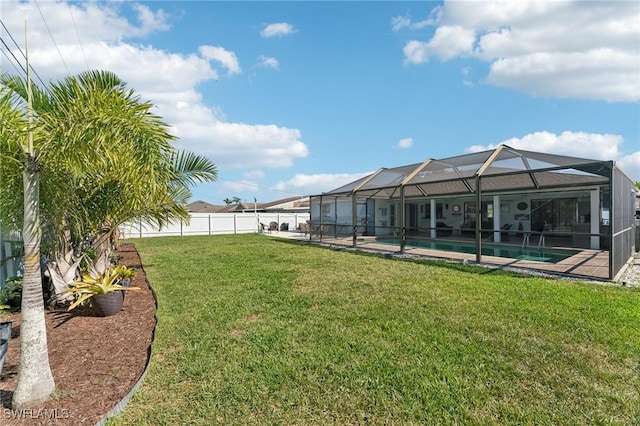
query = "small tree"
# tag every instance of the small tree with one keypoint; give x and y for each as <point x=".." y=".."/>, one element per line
<point x="35" y="381"/>
<point x="104" y="158"/>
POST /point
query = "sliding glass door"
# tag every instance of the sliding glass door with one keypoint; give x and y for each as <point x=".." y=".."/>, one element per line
<point x="556" y="215"/>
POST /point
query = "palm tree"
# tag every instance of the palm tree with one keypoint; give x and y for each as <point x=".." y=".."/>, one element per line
<point x="227" y="201"/>
<point x="138" y="174"/>
<point x="35" y="381"/>
<point x="105" y="159"/>
<point x="158" y="207"/>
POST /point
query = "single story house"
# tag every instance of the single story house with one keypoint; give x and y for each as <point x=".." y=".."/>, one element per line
<point x="508" y="203"/>
<point x="283" y="205"/>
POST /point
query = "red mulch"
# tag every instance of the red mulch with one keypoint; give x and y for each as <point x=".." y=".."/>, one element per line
<point x="95" y="361"/>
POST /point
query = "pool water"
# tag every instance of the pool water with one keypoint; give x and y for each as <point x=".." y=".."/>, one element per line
<point x="543" y="254"/>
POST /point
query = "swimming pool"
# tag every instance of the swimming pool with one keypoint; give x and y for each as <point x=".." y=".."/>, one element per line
<point x="547" y="255"/>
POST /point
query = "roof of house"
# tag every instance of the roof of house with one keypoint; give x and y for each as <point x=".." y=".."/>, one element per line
<point x="285" y="204"/>
<point x="199" y="206"/>
<point x="503" y="168"/>
<point x="291" y="203"/>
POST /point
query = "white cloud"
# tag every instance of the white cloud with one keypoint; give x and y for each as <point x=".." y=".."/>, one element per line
<point x="316" y="184"/>
<point x="240" y="186"/>
<point x="240" y="145"/>
<point x="254" y="174"/>
<point x="150" y="21"/>
<point x="465" y="77"/>
<point x="400" y="22"/>
<point x="631" y="165"/>
<point x="415" y="52"/>
<point x="594" y="146"/>
<point x="167" y="79"/>
<point x="267" y="62"/>
<point x="577" y="49"/>
<point x="226" y="58"/>
<point x="95" y="22"/>
<point x="405" y="143"/>
<point x="280" y="29"/>
<point x="447" y="43"/>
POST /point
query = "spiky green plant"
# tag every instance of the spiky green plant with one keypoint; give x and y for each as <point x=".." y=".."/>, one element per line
<point x="101" y="283"/>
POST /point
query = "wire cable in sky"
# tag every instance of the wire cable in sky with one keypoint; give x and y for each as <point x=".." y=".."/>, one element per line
<point x="21" y="52"/>
<point x="52" y="38"/>
<point x="78" y="35"/>
<point x="14" y="58"/>
<point x="12" y="39"/>
<point x="10" y="61"/>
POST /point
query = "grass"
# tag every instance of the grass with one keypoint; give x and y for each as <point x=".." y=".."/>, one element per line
<point x="256" y="330"/>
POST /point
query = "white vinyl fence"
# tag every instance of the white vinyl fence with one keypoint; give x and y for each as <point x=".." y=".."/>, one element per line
<point x="10" y="266"/>
<point x="215" y="223"/>
<point x="200" y="224"/>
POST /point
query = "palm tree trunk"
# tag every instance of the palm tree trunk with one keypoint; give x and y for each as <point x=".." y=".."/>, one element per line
<point x="35" y="381"/>
<point x="62" y="270"/>
<point x="102" y="248"/>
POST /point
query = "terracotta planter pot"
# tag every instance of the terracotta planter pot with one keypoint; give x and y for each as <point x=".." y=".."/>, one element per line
<point x="105" y="305"/>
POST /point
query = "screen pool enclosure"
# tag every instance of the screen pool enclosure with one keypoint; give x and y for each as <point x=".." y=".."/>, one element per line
<point x="538" y="254"/>
<point x="505" y="198"/>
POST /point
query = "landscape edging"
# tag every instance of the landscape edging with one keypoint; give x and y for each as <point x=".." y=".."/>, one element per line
<point x="120" y="406"/>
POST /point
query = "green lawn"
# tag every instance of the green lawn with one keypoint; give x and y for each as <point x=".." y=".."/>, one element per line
<point x="256" y="330"/>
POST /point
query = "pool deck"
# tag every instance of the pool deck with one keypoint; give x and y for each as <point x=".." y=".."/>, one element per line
<point x="587" y="263"/>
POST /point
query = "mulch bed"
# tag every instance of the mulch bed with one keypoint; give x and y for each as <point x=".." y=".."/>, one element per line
<point x="95" y="361"/>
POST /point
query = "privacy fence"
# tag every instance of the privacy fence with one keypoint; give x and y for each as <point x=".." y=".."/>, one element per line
<point x="10" y="256"/>
<point x="199" y="224"/>
<point x="217" y="223"/>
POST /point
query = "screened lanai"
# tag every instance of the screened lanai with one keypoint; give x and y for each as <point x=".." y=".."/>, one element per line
<point x="506" y="206"/>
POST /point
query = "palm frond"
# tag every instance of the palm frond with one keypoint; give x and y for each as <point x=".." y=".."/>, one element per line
<point x="191" y="168"/>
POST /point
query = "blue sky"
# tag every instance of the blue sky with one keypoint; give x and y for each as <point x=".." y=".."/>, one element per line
<point x="296" y="98"/>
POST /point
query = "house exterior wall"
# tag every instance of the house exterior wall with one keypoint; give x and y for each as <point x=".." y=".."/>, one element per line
<point x="514" y="210"/>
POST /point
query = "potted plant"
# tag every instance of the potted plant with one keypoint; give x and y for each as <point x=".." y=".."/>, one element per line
<point x="105" y="291"/>
<point x="126" y="274"/>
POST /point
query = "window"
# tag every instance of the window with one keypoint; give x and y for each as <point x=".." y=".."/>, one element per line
<point x="554" y="215"/>
<point x="470" y="213"/>
<point x="326" y="210"/>
<point x="427" y="211"/>
<point x="392" y="215"/>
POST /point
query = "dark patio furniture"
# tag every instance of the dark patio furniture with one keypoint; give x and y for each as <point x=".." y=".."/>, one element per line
<point x="443" y="230"/>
